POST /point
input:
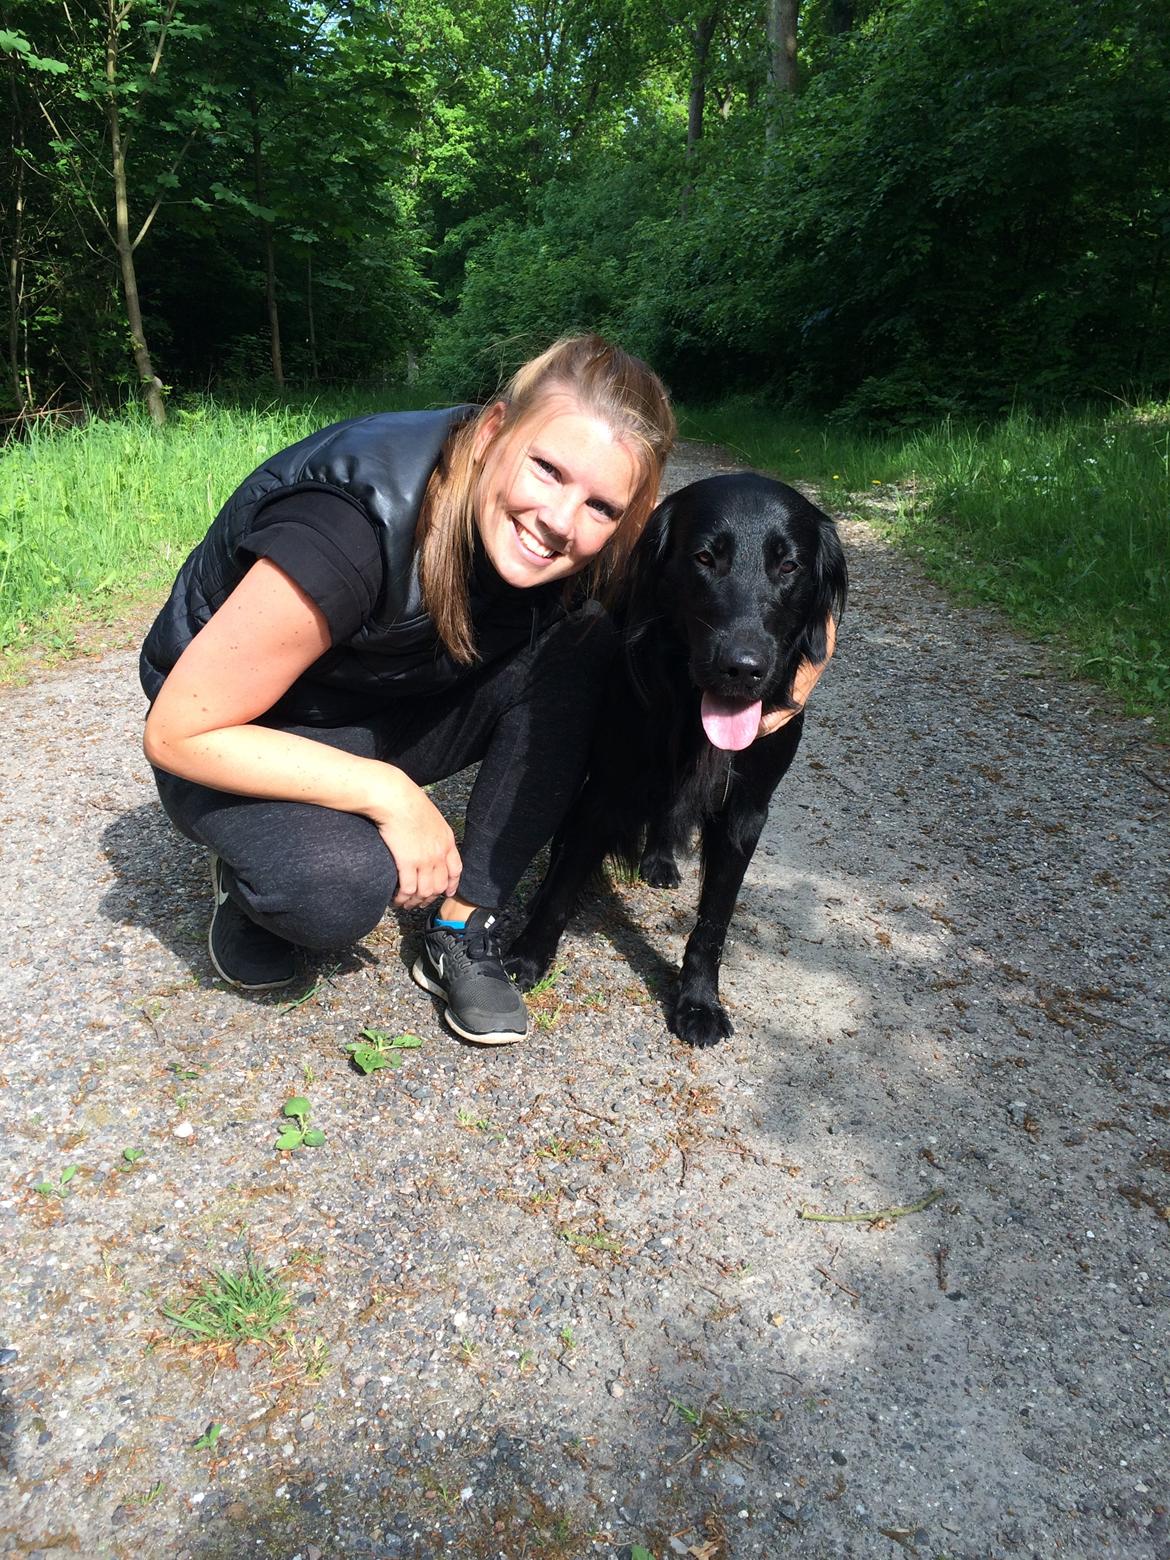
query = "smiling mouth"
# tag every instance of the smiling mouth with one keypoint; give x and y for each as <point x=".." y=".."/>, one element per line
<point x="532" y="543"/>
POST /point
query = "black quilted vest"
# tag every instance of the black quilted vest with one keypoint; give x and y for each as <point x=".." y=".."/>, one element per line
<point x="383" y="462"/>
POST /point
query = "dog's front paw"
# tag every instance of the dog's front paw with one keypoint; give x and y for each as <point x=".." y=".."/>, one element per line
<point x="658" y="869"/>
<point x="700" y="1023"/>
<point x="525" y="968"/>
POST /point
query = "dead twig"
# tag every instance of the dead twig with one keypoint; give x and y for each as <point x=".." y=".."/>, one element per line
<point x="585" y="1111"/>
<point x="833" y="1279"/>
<point x="1148" y="778"/>
<point x="874" y="1215"/>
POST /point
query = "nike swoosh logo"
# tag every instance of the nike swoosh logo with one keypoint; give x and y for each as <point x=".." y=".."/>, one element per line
<point x="439" y="965"/>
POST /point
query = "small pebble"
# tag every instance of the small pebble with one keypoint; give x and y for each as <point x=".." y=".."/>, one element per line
<point x="616" y="1390"/>
<point x="183" y="1130"/>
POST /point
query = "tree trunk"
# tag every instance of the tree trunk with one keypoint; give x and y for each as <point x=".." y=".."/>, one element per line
<point x="312" y="318"/>
<point x="269" y="248"/>
<point x="701" y="39"/>
<point x="783" y="17"/>
<point x="15" y="266"/>
<point x="151" y="384"/>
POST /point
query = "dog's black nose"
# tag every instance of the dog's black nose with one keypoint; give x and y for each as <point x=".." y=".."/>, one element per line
<point x="745" y="667"/>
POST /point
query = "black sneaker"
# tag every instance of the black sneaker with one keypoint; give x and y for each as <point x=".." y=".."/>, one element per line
<point x="246" y="955"/>
<point x="464" y="967"/>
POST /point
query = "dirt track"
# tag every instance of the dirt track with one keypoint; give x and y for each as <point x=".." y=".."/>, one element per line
<point x="558" y="1300"/>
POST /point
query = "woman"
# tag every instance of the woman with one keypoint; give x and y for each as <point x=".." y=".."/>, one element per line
<point x="374" y="609"/>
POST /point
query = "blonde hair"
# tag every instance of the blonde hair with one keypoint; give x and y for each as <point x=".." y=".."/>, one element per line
<point x="606" y="383"/>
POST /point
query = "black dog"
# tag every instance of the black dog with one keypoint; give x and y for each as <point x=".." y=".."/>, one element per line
<point x="731" y="585"/>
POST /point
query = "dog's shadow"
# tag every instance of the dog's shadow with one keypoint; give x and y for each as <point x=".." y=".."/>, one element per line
<point x="161" y="884"/>
<point x="603" y="911"/>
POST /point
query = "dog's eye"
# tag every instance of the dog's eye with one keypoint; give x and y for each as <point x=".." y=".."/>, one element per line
<point x="706" y="559"/>
<point x="789" y="566"/>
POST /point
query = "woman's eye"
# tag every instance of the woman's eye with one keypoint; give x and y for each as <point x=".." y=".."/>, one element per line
<point x="545" y="466"/>
<point x="600" y="507"/>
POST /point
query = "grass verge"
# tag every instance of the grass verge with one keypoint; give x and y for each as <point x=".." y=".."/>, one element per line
<point x="95" y="520"/>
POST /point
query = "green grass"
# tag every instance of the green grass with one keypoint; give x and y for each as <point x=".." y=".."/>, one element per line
<point x="250" y="1306"/>
<point x="1064" y="523"/>
<point x="94" y="519"/>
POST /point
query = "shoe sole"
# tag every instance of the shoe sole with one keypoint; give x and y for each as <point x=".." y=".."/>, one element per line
<point x="240" y="985"/>
<point x="493" y="1037"/>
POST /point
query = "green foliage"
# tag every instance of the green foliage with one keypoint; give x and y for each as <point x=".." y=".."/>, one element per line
<point x="298" y="1134"/>
<point x="965" y="207"/>
<point x="61" y="1187"/>
<point x="248" y="1306"/>
<point x="377" y="1049"/>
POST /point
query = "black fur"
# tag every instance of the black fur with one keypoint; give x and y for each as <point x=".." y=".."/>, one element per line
<point x="731" y="585"/>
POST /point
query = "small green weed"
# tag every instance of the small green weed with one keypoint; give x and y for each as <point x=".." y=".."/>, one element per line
<point x="130" y="1157"/>
<point x="179" y="1070"/>
<point x="473" y="1123"/>
<point x="314" y="990"/>
<point x="316" y="1359"/>
<point x="638" y="1553"/>
<point x="59" y="1188"/>
<point x="148" y="1497"/>
<point x="207" y="1441"/>
<point x="546" y="982"/>
<point x="377" y="1049"/>
<point x="251" y="1306"/>
<point x="561" y="1150"/>
<point x="716" y="1430"/>
<point x="591" y="1242"/>
<point x="567" y="1337"/>
<point x="300" y="1134"/>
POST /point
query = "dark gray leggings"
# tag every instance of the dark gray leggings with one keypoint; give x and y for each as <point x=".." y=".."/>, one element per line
<point x="323" y="879"/>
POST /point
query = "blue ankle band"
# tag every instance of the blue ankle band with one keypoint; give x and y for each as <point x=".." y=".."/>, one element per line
<point x="455" y="926"/>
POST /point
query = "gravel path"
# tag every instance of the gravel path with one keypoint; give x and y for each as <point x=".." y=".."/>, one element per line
<point x="557" y="1300"/>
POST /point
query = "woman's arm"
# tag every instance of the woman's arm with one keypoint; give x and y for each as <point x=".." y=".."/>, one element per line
<point x="266" y="634"/>
<point x="807" y="676"/>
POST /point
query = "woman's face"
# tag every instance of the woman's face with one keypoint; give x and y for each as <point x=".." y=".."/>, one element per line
<point x="551" y="492"/>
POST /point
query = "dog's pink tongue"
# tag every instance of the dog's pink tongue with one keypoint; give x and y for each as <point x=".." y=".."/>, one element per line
<point x="728" y="724"/>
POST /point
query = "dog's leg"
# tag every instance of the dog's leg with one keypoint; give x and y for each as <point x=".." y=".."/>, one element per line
<point x="658" y="866"/>
<point x="696" y="1015"/>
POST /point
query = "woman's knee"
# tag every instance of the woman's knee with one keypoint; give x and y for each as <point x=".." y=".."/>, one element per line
<point x="326" y="895"/>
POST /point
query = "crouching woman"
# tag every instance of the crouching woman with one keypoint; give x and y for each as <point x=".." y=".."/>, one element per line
<point x="374" y="609"/>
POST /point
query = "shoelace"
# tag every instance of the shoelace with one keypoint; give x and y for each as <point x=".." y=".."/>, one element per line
<point x="482" y="948"/>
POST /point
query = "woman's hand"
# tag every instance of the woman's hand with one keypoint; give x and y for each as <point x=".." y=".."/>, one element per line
<point x="807" y="676"/>
<point x="420" y="839"/>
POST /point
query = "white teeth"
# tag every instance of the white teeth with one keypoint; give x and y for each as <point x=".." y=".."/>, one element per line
<point x="531" y="543"/>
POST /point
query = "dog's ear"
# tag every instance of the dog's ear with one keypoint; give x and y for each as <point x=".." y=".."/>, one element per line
<point x="831" y="576"/>
<point x="643" y="573"/>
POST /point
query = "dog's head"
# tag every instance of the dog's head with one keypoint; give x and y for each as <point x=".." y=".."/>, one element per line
<point x="748" y="572"/>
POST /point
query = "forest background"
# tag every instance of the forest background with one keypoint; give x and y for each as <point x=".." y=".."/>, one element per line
<point x="901" y="244"/>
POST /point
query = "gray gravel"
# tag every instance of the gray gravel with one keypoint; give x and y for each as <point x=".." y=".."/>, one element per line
<point x="948" y="970"/>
